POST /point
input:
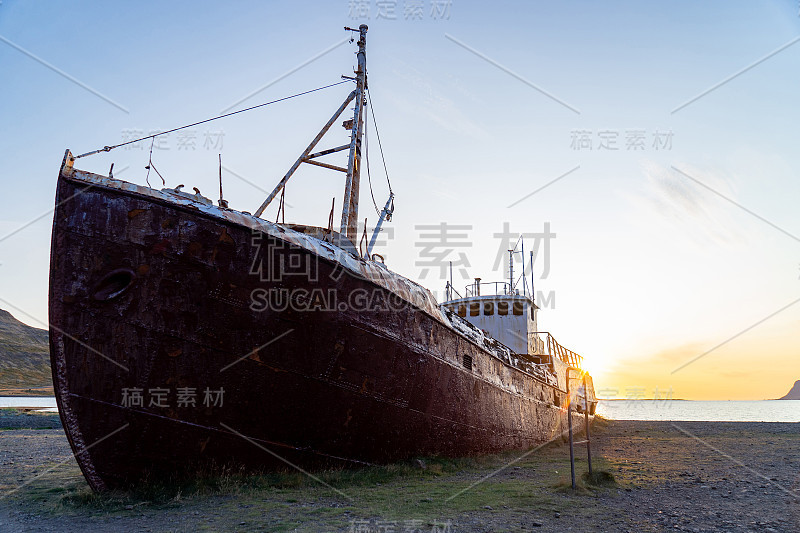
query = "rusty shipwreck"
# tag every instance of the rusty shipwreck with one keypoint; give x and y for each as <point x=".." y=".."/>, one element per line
<point x="186" y="334"/>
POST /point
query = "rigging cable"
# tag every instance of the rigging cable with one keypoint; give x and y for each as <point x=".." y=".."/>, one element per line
<point x="378" y="135"/>
<point x="369" y="177"/>
<point x="109" y="148"/>
<point x="150" y="164"/>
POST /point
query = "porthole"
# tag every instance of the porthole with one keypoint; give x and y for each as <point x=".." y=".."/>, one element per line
<point x="113" y="285"/>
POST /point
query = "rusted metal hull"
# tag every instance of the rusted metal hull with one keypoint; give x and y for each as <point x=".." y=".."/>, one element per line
<point x="151" y="295"/>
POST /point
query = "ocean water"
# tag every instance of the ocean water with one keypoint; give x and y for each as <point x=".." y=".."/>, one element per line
<point x="714" y="411"/>
<point x="47" y="403"/>
<point x="720" y="411"/>
<point x="27" y="401"/>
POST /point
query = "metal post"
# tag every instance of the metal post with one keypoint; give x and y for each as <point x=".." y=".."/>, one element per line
<point x="586" y="420"/>
<point x="569" y="422"/>
<point x="349" y="225"/>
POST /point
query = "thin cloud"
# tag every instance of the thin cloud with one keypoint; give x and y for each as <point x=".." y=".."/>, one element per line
<point x="428" y="100"/>
<point x="683" y="204"/>
<point x="736" y="374"/>
<point x="679" y="353"/>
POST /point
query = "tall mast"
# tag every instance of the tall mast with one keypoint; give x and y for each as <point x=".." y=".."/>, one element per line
<point x="349" y="226"/>
<point x="350" y="203"/>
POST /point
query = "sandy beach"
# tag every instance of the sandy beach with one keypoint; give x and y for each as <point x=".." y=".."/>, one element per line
<point x="670" y="476"/>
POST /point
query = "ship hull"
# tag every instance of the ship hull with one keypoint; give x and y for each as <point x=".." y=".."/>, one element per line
<point x="182" y="342"/>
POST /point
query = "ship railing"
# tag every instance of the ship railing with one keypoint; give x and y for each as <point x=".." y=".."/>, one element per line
<point x="553" y="349"/>
<point x="489" y="288"/>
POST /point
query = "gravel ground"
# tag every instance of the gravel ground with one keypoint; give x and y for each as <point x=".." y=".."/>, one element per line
<point x="28" y="419"/>
<point x="681" y="476"/>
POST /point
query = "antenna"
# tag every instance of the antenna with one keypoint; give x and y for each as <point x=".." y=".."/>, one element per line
<point x="222" y="201"/>
<point x="533" y="293"/>
<point x="511" y="272"/>
<point x="450" y="283"/>
<point x="524" y="281"/>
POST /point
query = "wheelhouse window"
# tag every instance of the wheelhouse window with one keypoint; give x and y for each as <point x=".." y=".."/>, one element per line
<point x="519" y="308"/>
<point x="502" y="308"/>
<point x="488" y="308"/>
<point x="474" y="309"/>
<point x="462" y="310"/>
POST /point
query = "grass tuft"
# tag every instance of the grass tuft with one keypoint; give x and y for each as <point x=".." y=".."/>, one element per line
<point x="564" y="485"/>
<point x="599" y="478"/>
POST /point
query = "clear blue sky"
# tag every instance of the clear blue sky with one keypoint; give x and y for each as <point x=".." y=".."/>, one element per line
<point x="649" y="268"/>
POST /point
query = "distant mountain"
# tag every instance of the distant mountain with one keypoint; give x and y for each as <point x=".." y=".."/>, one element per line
<point x="24" y="355"/>
<point x="793" y="394"/>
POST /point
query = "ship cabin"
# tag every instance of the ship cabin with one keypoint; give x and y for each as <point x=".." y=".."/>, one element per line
<point x="510" y="318"/>
<point x="502" y="313"/>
